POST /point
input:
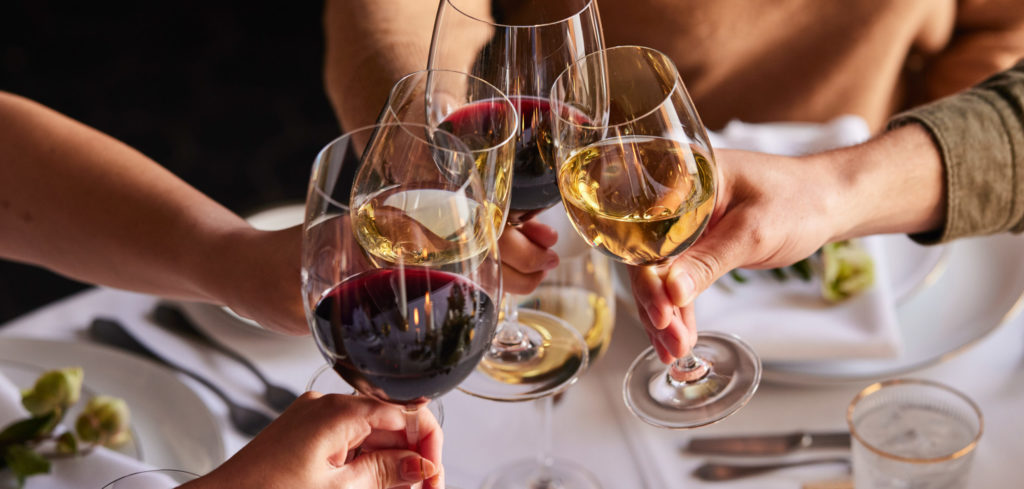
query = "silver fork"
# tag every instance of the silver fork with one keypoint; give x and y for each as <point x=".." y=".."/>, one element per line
<point x="172" y="318"/>
<point x="110" y="332"/>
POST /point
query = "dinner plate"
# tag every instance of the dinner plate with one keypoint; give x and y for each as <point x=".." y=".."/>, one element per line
<point x="946" y="297"/>
<point x="24" y="376"/>
<point x="980" y="288"/>
<point x="173" y="427"/>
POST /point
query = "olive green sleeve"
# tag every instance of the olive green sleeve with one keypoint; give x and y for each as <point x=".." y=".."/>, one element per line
<point x="980" y="134"/>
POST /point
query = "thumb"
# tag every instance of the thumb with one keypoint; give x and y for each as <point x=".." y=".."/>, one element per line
<point x="384" y="469"/>
<point x="697" y="268"/>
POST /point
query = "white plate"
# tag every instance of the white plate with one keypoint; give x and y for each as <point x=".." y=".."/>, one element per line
<point x="947" y="298"/>
<point x="24" y="376"/>
<point x="173" y="427"/>
<point x="981" y="288"/>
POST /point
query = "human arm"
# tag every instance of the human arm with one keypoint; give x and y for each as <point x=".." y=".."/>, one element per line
<point x="773" y="211"/>
<point x="87" y="206"/>
<point x="334" y="440"/>
<point x="987" y="37"/>
<point x="950" y="169"/>
<point x="370" y="44"/>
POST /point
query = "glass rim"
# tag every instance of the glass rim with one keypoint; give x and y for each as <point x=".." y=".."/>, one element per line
<point x="878" y="386"/>
<point x="677" y="86"/>
<point x="150" y="471"/>
<point x="503" y="96"/>
<point x="589" y="4"/>
<point x="373" y="127"/>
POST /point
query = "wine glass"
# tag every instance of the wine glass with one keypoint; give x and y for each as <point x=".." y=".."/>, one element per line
<point x="579" y="291"/>
<point x="475" y="111"/>
<point x="152" y="479"/>
<point x="638" y="181"/>
<point x="520" y="47"/>
<point x="399" y="293"/>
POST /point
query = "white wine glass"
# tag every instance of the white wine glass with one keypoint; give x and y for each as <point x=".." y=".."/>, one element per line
<point x="581" y="292"/>
<point x="637" y="177"/>
<point x="400" y="291"/>
<point x="475" y="111"/>
<point x="520" y="47"/>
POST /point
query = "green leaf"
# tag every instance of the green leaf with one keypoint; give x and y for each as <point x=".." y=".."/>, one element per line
<point x="27" y="429"/>
<point x="55" y="390"/>
<point x="67" y="444"/>
<point x="737" y="276"/>
<point x="25" y="463"/>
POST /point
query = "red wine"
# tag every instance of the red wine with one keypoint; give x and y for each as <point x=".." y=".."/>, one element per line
<point x="534" y="185"/>
<point x="407" y="358"/>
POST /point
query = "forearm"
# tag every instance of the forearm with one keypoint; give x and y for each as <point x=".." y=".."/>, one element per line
<point x="980" y="136"/>
<point x="894" y="183"/>
<point x="89" y="207"/>
<point x="370" y="44"/>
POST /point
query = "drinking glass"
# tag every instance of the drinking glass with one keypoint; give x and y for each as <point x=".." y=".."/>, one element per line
<point x="637" y="178"/>
<point x="326" y="381"/>
<point x="152" y="479"/>
<point x="579" y="291"/>
<point x="913" y="433"/>
<point x="399" y="292"/>
<point x="475" y="111"/>
<point x="520" y="47"/>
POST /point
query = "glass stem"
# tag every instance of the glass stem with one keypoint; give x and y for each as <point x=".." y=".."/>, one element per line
<point x="688" y="368"/>
<point x="412" y="427"/>
<point x="509" y="333"/>
<point x="543" y="477"/>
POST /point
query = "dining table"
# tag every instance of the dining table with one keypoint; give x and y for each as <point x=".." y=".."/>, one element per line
<point x="592" y="426"/>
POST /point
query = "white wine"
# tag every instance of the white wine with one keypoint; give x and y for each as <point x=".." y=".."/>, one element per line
<point x="640" y="199"/>
<point x="558" y="356"/>
<point x="422" y="226"/>
<point x="588" y="312"/>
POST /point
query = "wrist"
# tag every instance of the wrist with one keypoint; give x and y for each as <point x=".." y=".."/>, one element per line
<point x="893" y="183"/>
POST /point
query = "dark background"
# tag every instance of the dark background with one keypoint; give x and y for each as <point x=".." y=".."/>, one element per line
<point x="227" y="95"/>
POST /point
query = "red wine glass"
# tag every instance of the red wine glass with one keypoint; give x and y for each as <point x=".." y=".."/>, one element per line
<point x="400" y="267"/>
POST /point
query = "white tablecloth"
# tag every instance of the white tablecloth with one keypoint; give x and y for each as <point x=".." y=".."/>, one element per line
<point x="592" y="426"/>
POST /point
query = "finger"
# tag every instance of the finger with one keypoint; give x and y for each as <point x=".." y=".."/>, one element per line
<point x="386" y="469"/>
<point x="715" y="253"/>
<point x="540" y="234"/>
<point x="430" y="442"/>
<point x="515" y="282"/>
<point x="679" y="339"/>
<point x="651" y="297"/>
<point x="524" y="254"/>
<point x="659" y="349"/>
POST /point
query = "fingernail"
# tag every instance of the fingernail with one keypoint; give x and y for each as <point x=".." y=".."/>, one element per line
<point x="551" y="263"/>
<point x="415" y="468"/>
<point x="682" y="286"/>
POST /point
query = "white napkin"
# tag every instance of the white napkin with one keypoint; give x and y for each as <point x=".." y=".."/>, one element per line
<point x="789" y="320"/>
<point x="92" y="471"/>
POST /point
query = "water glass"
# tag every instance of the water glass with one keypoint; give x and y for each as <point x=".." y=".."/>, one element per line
<point x="913" y="434"/>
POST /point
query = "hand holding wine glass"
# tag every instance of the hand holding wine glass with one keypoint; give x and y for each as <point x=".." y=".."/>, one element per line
<point x="638" y="180"/>
<point x="400" y="292"/>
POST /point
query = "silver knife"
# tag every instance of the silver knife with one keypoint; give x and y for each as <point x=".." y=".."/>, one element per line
<point x="766" y="444"/>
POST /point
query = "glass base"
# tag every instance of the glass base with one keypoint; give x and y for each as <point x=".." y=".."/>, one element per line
<point x="655" y="396"/>
<point x="551" y="359"/>
<point x="531" y="474"/>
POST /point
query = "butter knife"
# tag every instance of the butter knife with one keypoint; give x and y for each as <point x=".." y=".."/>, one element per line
<point x="766" y="444"/>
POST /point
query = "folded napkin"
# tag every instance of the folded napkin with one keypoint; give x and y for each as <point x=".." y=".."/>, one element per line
<point x="92" y="471"/>
<point x="789" y="321"/>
